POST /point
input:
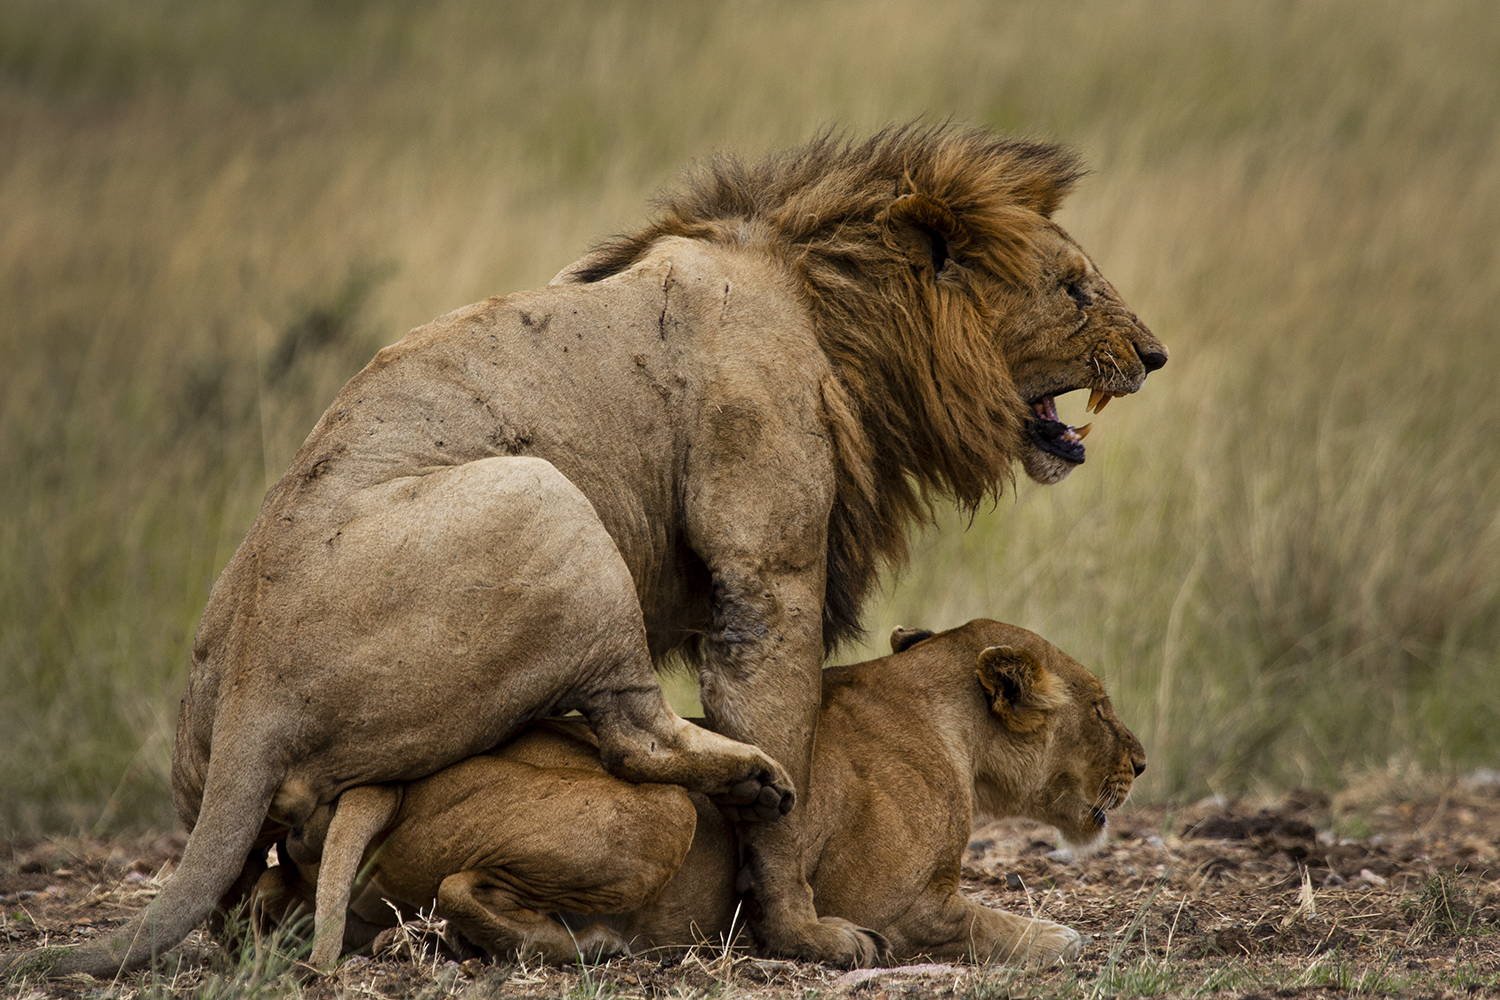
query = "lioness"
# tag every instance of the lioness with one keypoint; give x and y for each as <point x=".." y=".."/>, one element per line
<point x="755" y="393"/>
<point x="534" y="848"/>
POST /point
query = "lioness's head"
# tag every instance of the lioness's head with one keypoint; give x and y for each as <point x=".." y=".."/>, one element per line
<point x="1051" y="747"/>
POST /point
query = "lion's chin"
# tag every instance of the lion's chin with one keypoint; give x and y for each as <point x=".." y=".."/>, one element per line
<point x="1045" y="467"/>
<point x="1056" y="448"/>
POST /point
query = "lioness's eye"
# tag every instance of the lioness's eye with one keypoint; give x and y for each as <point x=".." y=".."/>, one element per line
<point x="1078" y="293"/>
<point x="1099" y="710"/>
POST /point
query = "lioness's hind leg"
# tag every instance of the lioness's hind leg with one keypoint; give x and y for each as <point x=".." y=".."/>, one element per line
<point x="491" y="916"/>
<point x="1059" y="942"/>
<point x="1044" y="942"/>
<point x="593" y="845"/>
<point x="280" y="899"/>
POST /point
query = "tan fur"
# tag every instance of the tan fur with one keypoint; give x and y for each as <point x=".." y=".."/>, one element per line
<point x="922" y="400"/>
<point x="754" y="394"/>
<point x="323" y="663"/>
<point x="987" y="718"/>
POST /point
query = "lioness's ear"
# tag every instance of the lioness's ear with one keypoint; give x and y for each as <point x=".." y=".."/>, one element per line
<point x="1021" y="690"/>
<point x="926" y="228"/>
<point x="903" y="638"/>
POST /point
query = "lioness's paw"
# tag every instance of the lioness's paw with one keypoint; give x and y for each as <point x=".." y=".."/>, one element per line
<point x="832" y="941"/>
<point x="1046" y="943"/>
<point x="595" y="943"/>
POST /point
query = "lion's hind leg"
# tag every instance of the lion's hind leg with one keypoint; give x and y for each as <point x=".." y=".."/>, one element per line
<point x="642" y="740"/>
<point x="499" y="588"/>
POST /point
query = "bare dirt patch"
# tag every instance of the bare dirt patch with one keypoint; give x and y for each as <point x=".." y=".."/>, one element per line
<point x="1377" y="893"/>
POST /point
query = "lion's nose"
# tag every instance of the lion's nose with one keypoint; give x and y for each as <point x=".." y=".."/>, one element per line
<point x="1151" y="359"/>
<point x="1139" y="765"/>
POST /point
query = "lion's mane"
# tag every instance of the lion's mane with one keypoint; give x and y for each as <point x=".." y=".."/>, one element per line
<point x="922" y="401"/>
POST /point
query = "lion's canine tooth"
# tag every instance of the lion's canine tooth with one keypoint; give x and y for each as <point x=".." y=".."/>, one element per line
<point x="1083" y="431"/>
<point x="1095" y="395"/>
<point x="1104" y="399"/>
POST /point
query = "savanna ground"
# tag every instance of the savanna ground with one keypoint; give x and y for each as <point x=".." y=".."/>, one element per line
<point x="1389" y="889"/>
<point x="1282" y="557"/>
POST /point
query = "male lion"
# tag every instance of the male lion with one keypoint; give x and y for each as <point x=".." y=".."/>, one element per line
<point x="756" y="393"/>
<point x="540" y="614"/>
<point x="533" y="848"/>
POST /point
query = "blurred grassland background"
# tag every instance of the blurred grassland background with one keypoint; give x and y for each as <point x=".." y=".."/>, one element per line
<point x="1283" y="556"/>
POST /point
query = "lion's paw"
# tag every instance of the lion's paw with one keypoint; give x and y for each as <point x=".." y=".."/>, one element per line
<point x="760" y="798"/>
<point x="748" y="783"/>
<point x="832" y="941"/>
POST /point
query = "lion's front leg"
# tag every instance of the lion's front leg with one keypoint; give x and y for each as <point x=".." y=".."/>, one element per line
<point x="762" y="684"/>
<point x="760" y="490"/>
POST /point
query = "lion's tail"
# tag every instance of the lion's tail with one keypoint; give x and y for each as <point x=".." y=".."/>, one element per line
<point x="236" y="798"/>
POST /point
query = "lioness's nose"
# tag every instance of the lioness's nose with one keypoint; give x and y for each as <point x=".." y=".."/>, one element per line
<point x="1152" y="360"/>
<point x="1139" y="765"/>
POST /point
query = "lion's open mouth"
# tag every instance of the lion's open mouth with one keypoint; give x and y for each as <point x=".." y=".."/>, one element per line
<point x="1053" y="436"/>
<point x="1057" y="438"/>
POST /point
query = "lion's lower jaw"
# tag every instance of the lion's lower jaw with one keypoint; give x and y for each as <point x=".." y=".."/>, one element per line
<point x="1045" y="468"/>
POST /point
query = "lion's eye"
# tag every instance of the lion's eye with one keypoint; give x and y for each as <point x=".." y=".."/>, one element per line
<point x="1078" y="293"/>
<point x="1099" y="710"/>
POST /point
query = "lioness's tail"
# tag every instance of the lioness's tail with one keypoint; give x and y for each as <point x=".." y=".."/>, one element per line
<point x="235" y="802"/>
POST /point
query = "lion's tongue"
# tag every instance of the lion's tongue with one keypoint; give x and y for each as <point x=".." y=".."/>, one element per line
<point x="1046" y="408"/>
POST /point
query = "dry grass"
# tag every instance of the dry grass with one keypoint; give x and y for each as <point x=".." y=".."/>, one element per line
<point x="1223" y="898"/>
<point x="1284" y="556"/>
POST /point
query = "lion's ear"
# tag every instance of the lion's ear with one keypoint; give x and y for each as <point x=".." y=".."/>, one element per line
<point x="903" y="638"/>
<point x="1043" y="175"/>
<point x="926" y="228"/>
<point x="1021" y="690"/>
<point x="1042" y="194"/>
